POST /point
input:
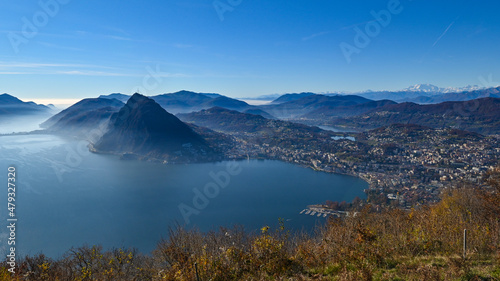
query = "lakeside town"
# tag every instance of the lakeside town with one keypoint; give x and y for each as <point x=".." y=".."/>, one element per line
<point x="404" y="165"/>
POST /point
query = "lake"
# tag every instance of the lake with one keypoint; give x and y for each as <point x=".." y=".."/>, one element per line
<point x="336" y="129"/>
<point x="67" y="197"/>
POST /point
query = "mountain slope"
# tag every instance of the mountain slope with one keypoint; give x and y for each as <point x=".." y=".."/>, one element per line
<point x="329" y="111"/>
<point x="143" y="128"/>
<point x="307" y="104"/>
<point x="83" y="115"/>
<point x="224" y="120"/>
<point x="291" y="97"/>
<point x="479" y="115"/>
<point x="247" y="125"/>
<point x="256" y="134"/>
<point x="257" y="111"/>
<point x="398" y="96"/>
<point x="227" y="103"/>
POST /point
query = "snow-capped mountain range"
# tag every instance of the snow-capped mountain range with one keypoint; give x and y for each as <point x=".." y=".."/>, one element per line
<point x="429" y="88"/>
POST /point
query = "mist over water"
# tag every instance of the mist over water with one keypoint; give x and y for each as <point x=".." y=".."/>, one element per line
<point x="18" y="124"/>
<point x="67" y="197"/>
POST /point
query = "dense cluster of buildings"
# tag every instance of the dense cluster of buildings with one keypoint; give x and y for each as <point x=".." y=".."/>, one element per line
<point x="408" y="165"/>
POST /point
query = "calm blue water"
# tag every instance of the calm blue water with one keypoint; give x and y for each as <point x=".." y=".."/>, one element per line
<point x="69" y="197"/>
<point x="344" y="138"/>
<point x="336" y="129"/>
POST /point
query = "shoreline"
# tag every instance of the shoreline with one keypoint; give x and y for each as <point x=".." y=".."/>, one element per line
<point x="138" y="157"/>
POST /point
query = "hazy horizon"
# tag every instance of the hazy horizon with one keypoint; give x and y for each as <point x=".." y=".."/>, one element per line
<point x="62" y="103"/>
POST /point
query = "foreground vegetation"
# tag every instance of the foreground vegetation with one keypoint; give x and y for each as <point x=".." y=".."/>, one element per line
<point x="422" y="244"/>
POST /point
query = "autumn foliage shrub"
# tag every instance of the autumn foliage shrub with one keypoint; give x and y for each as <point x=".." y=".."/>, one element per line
<point x="230" y="254"/>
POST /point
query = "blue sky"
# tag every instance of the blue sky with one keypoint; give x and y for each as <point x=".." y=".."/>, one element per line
<point x="247" y="48"/>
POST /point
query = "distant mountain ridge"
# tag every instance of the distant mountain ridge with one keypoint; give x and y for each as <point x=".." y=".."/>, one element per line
<point x="427" y="93"/>
<point x="188" y="101"/>
<point x="479" y="115"/>
<point x="311" y="105"/>
<point x="257" y="111"/>
<point x="10" y="105"/>
<point x="121" y="97"/>
<point x="458" y="96"/>
<point x="412" y="92"/>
